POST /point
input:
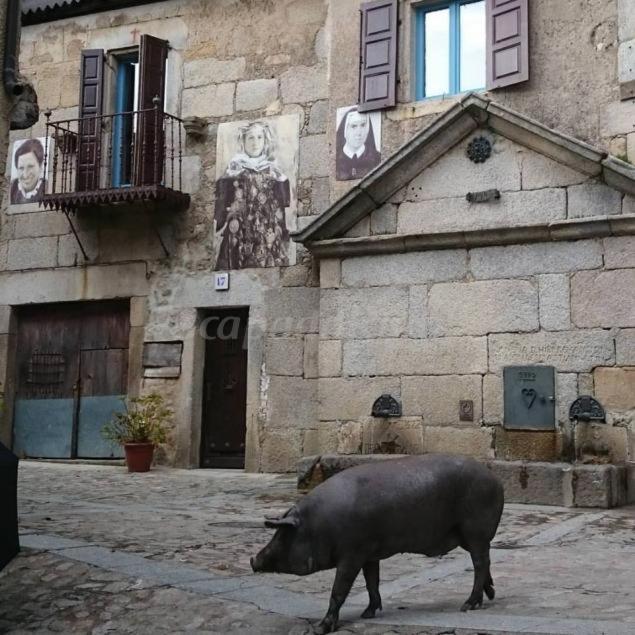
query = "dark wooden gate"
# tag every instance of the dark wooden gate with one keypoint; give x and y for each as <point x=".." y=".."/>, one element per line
<point x="72" y="373"/>
<point x="225" y="389"/>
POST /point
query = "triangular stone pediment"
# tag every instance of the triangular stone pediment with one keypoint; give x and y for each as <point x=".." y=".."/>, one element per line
<point x="533" y="177"/>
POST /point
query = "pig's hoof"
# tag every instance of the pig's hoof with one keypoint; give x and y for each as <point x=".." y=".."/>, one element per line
<point x="489" y="591"/>
<point x="324" y="627"/>
<point x="471" y="605"/>
<point x="369" y="613"/>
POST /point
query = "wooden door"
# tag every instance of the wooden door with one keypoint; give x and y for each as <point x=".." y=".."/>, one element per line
<point x="70" y="356"/>
<point x="225" y="389"/>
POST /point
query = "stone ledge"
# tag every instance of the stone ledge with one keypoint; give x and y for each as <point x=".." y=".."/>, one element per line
<point x="538" y="483"/>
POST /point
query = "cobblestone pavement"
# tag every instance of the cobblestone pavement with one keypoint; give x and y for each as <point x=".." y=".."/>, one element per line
<point x="105" y="551"/>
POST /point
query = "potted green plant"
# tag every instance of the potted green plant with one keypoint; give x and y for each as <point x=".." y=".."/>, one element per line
<point x="142" y="426"/>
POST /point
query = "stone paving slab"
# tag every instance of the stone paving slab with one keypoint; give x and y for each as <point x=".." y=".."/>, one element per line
<point x="169" y="551"/>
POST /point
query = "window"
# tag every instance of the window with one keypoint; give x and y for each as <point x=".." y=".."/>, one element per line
<point x="450" y="47"/>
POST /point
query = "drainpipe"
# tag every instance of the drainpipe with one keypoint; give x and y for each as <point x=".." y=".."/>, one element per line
<point x="25" y="111"/>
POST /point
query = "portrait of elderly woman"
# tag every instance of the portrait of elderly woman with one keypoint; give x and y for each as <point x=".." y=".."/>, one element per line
<point x="27" y="171"/>
<point x="358" y="143"/>
<point x="253" y="209"/>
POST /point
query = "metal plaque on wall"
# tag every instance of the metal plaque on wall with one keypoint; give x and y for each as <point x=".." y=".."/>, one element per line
<point x="529" y="395"/>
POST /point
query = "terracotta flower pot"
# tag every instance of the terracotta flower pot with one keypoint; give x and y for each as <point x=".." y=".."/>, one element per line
<point x="139" y="456"/>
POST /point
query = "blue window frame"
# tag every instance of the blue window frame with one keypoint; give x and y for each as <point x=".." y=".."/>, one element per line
<point x="449" y="47"/>
<point x="126" y="87"/>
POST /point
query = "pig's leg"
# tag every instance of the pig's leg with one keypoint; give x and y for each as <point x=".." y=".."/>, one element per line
<point x="489" y="586"/>
<point x="345" y="575"/>
<point x="371" y="575"/>
<point x="480" y="560"/>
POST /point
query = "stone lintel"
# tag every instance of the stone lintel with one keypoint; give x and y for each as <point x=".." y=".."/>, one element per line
<point x="619" y="175"/>
<point x="557" y="231"/>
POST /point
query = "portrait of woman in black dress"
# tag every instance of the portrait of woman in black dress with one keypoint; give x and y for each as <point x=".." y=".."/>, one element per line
<point x="252" y="198"/>
<point x="357" y="143"/>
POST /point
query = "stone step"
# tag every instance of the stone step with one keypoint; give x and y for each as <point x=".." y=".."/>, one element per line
<point x="562" y="484"/>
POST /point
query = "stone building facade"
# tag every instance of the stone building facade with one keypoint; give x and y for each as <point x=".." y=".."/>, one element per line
<point x="399" y="285"/>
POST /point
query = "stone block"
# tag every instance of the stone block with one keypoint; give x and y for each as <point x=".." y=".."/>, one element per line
<point x="393" y="436"/>
<point x="585" y="384"/>
<point x="349" y="437"/>
<point x="439" y="356"/>
<point x="601" y="443"/>
<point x="593" y="199"/>
<point x="311" y="356"/>
<point x="314" y="156"/>
<point x="318" y="117"/>
<point x="475" y="442"/>
<point x="360" y="229"/>
<point x="304" y="84"/>
<point x="39" y="224"/>
<point x="418" y="312"/>
<point x="599" y="486"/>
<point x="330" y="358"/>
<point x="281" y="450"/>
<point x="5" y="319"/>
<point x="295" y="276"/>
<point x="138" y="311"/>
<point x="292" y="402"/>
<point x="116" y="245"/>
<point x="191" y="174"/>
<point x="320" y="195"/>
<point x="321" y="440"/>
<point x="521" y="445"/>
<point x="403" y="269"/>
<point x="625" y="348"/>
<point x="535" y="483"/>
<point x="292" y="310"/>
<point x="617" y="118"/>
<point x="555" y="302"/>
<point x="256" y="94"/>
<point x="330" y="273"/>
<point x="540" y="172"/>
<point x="215" y="100"/>
<point x="526" y="260"/>
<point x="352" y="398"/>
<point x="212" y="71"/>
<point x="619" y="252"/>
<point x="384" y="220"/>
<point x="615" y="388"/>
<point x="456" y="214"/>
<point x="439" y="180"/>
<point x="603" y="298"/>
<point x="363" y="313"/>
<point x="493" y="405"/>
<point x="566" y="394"/>
<point x="32" y="253"/>
<point x="4" y="363"/>
<point x="284" y="356"/>
<point x="618" y="146"/>
<point x="69" y="253"/>
<point x="628" y="203"/>
<point x="482" y="307"/>
<point x="567" y="351"/>
<point x="436" y="399"/>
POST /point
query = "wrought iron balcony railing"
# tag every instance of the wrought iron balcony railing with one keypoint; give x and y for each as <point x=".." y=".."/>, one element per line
<point x="106" y="160"/>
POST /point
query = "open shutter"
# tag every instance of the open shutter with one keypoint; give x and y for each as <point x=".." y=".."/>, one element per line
<point x="507" y="42"/>
<point x="149" y="158"/>
<point x="90" y="111"/>
<point x="378" y="55"/>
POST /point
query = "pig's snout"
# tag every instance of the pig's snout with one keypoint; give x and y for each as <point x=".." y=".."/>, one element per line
<point x="256" y="564"/>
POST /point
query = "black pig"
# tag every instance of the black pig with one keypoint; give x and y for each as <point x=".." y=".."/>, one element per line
<point x="426" y="504"/>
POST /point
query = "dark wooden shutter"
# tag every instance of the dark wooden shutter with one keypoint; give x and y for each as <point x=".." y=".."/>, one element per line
<point x="507" y="42"/>
<point x="90" y="111"/>
<point x="378" y="55"/>
<point x="153" y="54"/>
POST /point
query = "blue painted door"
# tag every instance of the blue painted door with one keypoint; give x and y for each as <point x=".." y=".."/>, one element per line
<point x="71" y="376"/>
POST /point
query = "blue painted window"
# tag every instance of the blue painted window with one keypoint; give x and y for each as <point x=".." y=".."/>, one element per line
<point x="124" y="125"/>
<point x="449" y="47"/>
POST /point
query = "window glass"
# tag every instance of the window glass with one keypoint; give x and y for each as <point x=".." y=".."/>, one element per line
<point x="472" y="42"/>
<point x="437" y="52"/>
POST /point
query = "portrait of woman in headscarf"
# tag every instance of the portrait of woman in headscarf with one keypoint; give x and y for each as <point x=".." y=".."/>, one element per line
<point x="251" y="198"/>
<point x="357" y="143"/>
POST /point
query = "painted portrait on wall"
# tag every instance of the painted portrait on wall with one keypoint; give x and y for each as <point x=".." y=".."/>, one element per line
<point x="358" y="143"/>
<point x="256" y="197"/>
<point x="28" y="159"/>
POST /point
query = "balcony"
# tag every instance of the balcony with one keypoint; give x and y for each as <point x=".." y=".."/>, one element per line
<point x="112" y="161"/>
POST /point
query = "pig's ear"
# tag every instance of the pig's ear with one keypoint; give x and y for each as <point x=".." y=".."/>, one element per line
<point x="290" y="519"/>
